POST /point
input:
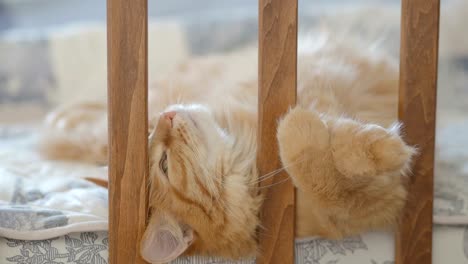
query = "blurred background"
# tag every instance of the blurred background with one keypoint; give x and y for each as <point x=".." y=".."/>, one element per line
<point x="54" y="51"/>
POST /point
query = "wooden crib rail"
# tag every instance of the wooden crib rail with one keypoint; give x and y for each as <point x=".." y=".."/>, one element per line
<point x="417" y="110"/>
<point x="128" y="127"/>
<point x="277" y="42"/>
<point x="127" y="96"/>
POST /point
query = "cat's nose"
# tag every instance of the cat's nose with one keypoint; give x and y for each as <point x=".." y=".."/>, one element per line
<point x="170" y="115"/>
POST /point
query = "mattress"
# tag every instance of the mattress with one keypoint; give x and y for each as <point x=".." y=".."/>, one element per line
<point x="50" y="214"/>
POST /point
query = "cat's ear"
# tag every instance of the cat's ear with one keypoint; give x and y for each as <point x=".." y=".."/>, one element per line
<point x="165" y="239"/>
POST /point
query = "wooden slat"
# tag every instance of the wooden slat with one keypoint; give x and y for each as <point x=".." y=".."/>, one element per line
<point x="127" y="98"/>
<point x="277" y="92"/>
<point x="417" y="109"/>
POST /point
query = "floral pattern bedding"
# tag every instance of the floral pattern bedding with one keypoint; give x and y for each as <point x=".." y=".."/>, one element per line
<point x="450" y="246"/>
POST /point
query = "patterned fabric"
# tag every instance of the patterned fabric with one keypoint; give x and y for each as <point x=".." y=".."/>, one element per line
<point x="450" y="246"/>
<point x="43" y="199"/>
<point x="76" y="248"/>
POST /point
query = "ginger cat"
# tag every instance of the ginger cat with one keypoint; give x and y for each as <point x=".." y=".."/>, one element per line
<point x="338" y="145"/>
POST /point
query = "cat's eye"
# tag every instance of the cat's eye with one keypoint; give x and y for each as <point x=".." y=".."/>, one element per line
<point x="163" y="163"/>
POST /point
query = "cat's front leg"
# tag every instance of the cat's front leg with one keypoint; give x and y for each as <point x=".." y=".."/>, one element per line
<point x="317" y="151"/>
<point x="348" y="174"/>
<point x="305" y="150"/>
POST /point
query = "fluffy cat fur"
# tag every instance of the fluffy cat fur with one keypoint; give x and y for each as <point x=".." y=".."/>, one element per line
<point x="340" y="145"/>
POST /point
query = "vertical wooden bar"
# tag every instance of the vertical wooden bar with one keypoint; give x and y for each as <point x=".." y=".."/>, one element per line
<point x="277" y="92"/>
<point x="128" y="122"/>
<point x="417" y="110"/>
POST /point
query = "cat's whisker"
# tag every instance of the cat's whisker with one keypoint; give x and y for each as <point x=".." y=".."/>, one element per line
<point x="230" y="212"/>
<point x="282" y="168"/>
<point x="276" y="172"/>
<point x="272" y="173"/>
<point x="171" y="88"/>
<point x="270" y="176"/>
<point x="274" y="184"/>
<point x="264" y="233"/>
<point x="179" y="99"/>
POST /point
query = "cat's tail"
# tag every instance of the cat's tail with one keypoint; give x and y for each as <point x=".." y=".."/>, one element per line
<point x="76" y="133"/>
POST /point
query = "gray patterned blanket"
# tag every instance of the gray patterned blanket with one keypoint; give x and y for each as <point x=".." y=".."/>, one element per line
<point x="43" y="199"/>
<point x="450" y="246"/>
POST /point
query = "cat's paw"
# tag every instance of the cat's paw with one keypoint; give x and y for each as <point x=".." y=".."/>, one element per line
<point x="367" y="149"/>
<point x="301" y="131"/>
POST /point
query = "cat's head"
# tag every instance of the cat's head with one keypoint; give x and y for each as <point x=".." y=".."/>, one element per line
<point x="189" y="200"/>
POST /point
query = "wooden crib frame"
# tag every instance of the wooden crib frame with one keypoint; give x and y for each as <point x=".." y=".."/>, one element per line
<point x="128" y="124"/>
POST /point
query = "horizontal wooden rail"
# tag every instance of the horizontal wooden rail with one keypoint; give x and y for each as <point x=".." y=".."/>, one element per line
<point x="417" y="110"/>
<point x="277" y="92"/>
<point x="128" y="156"/>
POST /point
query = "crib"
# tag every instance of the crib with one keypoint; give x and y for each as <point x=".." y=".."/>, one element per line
<point x="128" y="125"/>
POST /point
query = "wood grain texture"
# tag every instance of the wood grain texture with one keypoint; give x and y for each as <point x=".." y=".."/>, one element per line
<point x="277" y="92"/>
<point x="128" y="146"/>
<point x="417" y="110"/>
